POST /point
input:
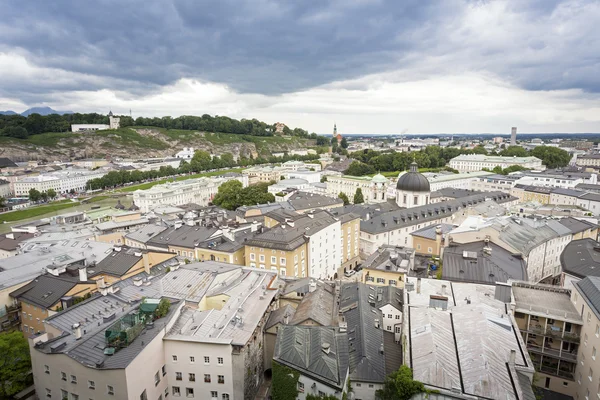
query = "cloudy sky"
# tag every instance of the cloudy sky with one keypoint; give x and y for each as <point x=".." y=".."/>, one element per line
<point x="372" y="66"/>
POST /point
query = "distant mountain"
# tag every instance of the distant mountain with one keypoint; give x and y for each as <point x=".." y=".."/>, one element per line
<point x="43" y="111"/>
<point x="8" y="112"/>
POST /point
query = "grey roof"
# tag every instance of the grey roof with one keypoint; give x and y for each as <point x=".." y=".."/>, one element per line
<point x="469" y="263"/>
<point x="302" y="348"/>
<point x="389" y="258"/>
<point x="545" y="301"/>
<point x="119" y="262"/>
<point x="297" y="285"/>
<point x="35" y="258"/>
<point x="278" y="316"/>
<point x="317" y="306"/>
<point x="95" y="316"/>
<point x="591" y="196"/>
<point x="413" y="181"/>
<point x="568" y="192"/>
<point x="303" y="201"/>
<point x="263" y="208"/>
<point x="417" y="215"/>
<point x="8" y="244"/>
<point x="535" y="189"/>
<point x="428" y="232"/>
<point x="45" y="290"/>
<point x="453" y="193"/>
<point x="581" y="258"/>
<point x="183" y="236"/>
<point x="110" y="225"/>
<point x="588" y="187"/>
<point x="281" y="215"/>
<point x="590" y="288"/>
<point x="576" y="225"/>
<point x="366" y="211"/>
<point x="145" y="233"/>
<point x="366" y="349"/>
<point x="5" y="162"/>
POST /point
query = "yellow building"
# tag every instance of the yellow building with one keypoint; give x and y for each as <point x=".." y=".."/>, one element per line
<point x="279" y="249"/>
<point x="388" y="266"/>
<point x="350" y="226"/>
<point x="430" y="239"/>
<point x="531" y="193"/>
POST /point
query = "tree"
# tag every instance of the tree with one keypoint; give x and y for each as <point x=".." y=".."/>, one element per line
<point x="15" y="131"/>
<point x="2" y="201"/>
<point x="163" y="308"/>
<point x="44" y="196"/>
<point x="228" y="194"/>
<point x="15" y="363"/>
<point x="51" y="194"/>
<point x="552" y="157"/>
<point x="358" y="197"/>
<point x="324" y="179"/>
<point x="358" y="168"/>
<point x="343" y="196"/>
<point x="322" y="141"/>
<point x="285" y="382"/>
<point x="344" y="143"/>
<point x="514" y="151"/>
<point x="34" y="195"/>
<point x="400" y="385"/>
<point x="201" y="161"/>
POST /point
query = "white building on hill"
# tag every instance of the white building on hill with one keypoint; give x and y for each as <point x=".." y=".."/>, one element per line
<point x="62" y="181"/>
<point x="199" y="191"/>
<point x="476" y="162"/>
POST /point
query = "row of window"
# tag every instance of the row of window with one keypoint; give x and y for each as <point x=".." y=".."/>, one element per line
<point x="381" y="280"/>
<point x="192" y="377"/>
<point x="206" y="360"/>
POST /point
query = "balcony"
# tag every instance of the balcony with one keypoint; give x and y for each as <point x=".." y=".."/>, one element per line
<point x="546" y="351"/>
<point x="539" y="330"/>
<point x="556" y="372"/>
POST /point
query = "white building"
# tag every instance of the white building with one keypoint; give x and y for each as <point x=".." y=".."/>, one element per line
<point x="374" y="189"/>
<point x="412" y="188"/>
<point x="199" y="191"/>
<point x="89" y="127"/>
<point x="62" y="181"/>
<point x="187" y="153"/>
<point x="324" y="246"/>
<point x="309" y="176"/>
<point x="455" y="181"/>
<point x="298" y="184"/>
<point x="493" y="183"/>
<point x="476" y="162"/>
<point x="293" y="165"/>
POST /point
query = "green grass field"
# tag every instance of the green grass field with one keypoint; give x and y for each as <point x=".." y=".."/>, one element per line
<point x="148" y="185"/>
<point x="33" y="212"/>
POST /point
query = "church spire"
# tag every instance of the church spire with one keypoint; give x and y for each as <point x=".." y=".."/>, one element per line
<point x="334" y="130"/>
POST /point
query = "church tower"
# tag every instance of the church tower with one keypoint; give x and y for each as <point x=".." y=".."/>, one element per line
<point x="334" y="131"/>
<point x="114" y="122"/>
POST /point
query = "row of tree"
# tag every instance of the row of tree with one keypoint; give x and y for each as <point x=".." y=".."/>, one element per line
<point x="201" y="162"/>
<point x="21" y="127"/>
<point x="369" y="161"/>
<point x="35" y="195"/>
<point x="232" y="195"/>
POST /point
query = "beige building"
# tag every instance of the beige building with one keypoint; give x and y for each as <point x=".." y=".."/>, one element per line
<point x="536" y="194"/>
<point x="388" y="266"/>
<point x="284" y="251"/>
<point x="350" y="236"/>
<point x="430" y="240"/>
<point x="551" y="328"/>
<point x="263" y="174"/>
<point x="585" y="297"/>
<point x="374" y="189"/>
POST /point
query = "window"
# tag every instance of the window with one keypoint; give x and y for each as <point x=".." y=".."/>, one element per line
<point x="192" y="359"/>
<point x="73" y="379"/>
<point x="92" y="385"/>
<point x="221" y="378"/>
<point x="174" y="358"/>
<point x="397" y="316"/>
<point x="282" y="271"/>
<point x="214" y="395"/>
<point x="192" y="377"/>
<point x="46" y="369"/>
<point x="48" y="392"/>
<point x="176" y="391"/>
<point x="273" y="260"/>
<point x="63" y="376"/>
<point x="389" y="316"/>
<point x="585" y="339"/>
<point x="252" y="256"/>
<point x="178" y="376"/>
<point x="220" y="360"/>
<point x="164" y="370"/>
<point x="282" y="261"/>
<point x="207" y="378"/>
<point x="416" y="200"/>
<point x="206" y="360"/>
<point x="261" y="258"/>
<point x="166" y="392"/>
<point x="370" y="385"/>
<point x="594" y="353"/>
<point x="300" y="387"/>
<point x="110" y="390"/>
<point x="144" y="395"/>
<point x="591" y="374"/>
<point x="64" y="394"/>
<point x="225" y="396"/>
<point x="392" y="282"/>
<point x="597" y="330"/>
<point x="380" y="280"/>
<point x="189" y="392"/>
<point x="389" y="328"/>
<point x="321" y="394"/>
<point x="397" y="330"/>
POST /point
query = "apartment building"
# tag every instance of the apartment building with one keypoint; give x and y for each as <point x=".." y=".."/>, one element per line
<point x="588" y="160"/>
<point x="307" y="246"/>
<point x="395" y="227"/>
<point x="374" y="189"/>
<point x="430" y="239"/>
<point x="492" y="183"/>
<point x="350" y="238"/>
<point x="63" y="181"/>
<point x="585" y="295"/>
<point x="388" y="266"/>
<point x="526" y="194"/>
<point x="551" y="328"/>
<point x="456" y="181"/>
<point x="264" y="174"/>
<point x="476" y="162"/>
<point x="199" y="191"/>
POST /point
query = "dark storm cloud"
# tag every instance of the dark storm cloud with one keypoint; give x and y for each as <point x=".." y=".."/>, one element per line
<point x="275" y="47"/>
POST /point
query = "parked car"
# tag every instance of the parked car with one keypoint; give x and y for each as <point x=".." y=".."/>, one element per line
<point x="350" y="273"/>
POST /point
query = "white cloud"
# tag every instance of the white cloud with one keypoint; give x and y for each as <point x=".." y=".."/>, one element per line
<point x="378" y="103"/>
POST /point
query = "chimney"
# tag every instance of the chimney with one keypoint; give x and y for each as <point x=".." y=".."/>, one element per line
<point x="254" y="226"/>
<point x="137" y="281"/>
<point x="418" y="285"/>
<point x="286" y="318"/>
<point x="77" y="331"/>
<point x="10" y="236"/>
<point x="443" y="290"/>
<point x="83" y="277"/>
<point x="513" y="355"/>
<point x="147" y="263"/>
<point x="228" y="234"/>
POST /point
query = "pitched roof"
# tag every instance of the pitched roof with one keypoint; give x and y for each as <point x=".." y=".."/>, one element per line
<point x="303" y="201"/>
<point x="590" y="288"/>
<point x="12" y="243"/>
<point x="581" y="258"/>
<point x="389" y="221"/>
<point x="470" y="263"/>
<point x="428" y="232"/>
<point x="318" y="352"/>
<point x="145" y="233"/>
<point x="183" y="236"/>
<point x="317" y="306"/>
<point x="278" y="316"/>
<point x="119" y="262"/>
<point x="45" y="290"/>
<point x="5" y="162"/>
<point x="576" y="225"/>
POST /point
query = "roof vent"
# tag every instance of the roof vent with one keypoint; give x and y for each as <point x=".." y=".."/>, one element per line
<point x="326" y="347"/>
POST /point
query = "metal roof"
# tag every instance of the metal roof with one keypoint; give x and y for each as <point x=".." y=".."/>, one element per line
<point x="318" y="352"/>
<point x="470" y="263"/>
<point x="145" y="233"/>
<point x="545" y="301"/>
<point x="182" y="236"/>
<point x="278" y="316"/>
<point x="581" y="258"/>
<point x="590" y="289"/>
<point x="428" y="232"/>
<point x="45" y="290"/>
<point x="317" y="306"/>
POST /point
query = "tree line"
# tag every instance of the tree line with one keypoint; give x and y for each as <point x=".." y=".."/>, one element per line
<point x="369" y="161"/>
<point x="201" y="162"/>
<point x="21" y="127"/>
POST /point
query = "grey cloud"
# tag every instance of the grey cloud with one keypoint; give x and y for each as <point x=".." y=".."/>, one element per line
<point x="273" y="47"/>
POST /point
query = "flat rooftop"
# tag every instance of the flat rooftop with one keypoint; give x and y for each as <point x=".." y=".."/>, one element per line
<point x="545" y="301"/>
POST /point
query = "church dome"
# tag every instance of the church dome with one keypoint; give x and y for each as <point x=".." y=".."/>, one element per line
<point x="413" y="181"/>
<point x="379" y="179"/>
